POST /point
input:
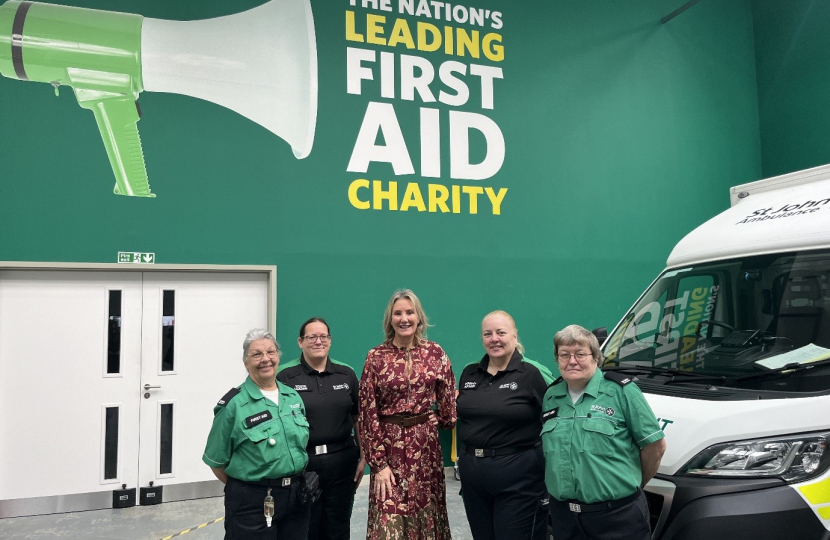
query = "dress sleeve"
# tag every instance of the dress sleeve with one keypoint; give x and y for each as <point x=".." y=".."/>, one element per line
<point x="445" y="393"/>
<point x="371" y="437"/>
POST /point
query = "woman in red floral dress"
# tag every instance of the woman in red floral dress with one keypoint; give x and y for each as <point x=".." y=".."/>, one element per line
<point x="401" y="380"/>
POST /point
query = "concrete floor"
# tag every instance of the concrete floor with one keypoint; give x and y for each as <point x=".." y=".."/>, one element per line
<point x="157" y="522"/>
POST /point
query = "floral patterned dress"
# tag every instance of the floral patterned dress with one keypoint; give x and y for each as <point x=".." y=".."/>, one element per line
<point x="417" y="507"/>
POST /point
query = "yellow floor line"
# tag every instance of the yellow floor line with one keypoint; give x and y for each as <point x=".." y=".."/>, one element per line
<point x="217" y="520"/>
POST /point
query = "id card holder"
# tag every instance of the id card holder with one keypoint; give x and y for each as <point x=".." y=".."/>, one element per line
<point x="269" y="508"/>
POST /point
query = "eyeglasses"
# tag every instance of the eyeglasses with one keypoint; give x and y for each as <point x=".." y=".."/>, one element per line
<point x="258" y="355"/>
<point x="323" y="337"/>
<point x="566" y="357"/>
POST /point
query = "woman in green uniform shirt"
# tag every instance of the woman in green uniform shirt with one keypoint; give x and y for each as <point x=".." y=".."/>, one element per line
<point x="602" y="444"/>
<point x="256" y="447"/>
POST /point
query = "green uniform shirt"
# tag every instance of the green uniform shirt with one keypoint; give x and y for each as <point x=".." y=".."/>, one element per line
<point x="253" y="439"/>
<point x="592" y="448"/>
<point x="547" y="374"/>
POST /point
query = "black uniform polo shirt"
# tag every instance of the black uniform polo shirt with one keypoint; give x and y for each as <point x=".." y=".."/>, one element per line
<point x="502" y="410"/>
<point x="330" y="399"/>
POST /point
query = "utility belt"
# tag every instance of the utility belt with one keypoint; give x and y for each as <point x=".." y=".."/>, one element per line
<point x="321" y="449"/>
<point x="306" y="484"/>
<point x="274" y="482"/>
<point x="582" y="508"/>
<point x="405" y="421"/>
<point x="497" y="452"/>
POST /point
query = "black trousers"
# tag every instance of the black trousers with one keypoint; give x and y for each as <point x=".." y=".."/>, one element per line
<point x="505" y="497"/>
<point x="245" y="517"/>
<point x="332" y="513"/>
<point x="628" y="522"/>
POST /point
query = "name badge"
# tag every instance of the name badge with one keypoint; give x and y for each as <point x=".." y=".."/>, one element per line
<point x="547" y="415"/>
<point x="258" y="418"/>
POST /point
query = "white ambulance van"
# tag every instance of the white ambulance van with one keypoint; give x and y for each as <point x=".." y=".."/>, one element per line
<point x="731" y="346"/>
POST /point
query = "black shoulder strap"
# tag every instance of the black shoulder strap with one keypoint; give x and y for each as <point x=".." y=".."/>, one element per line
<point x="228" y="397"/>
<point x="557" y="381"/>
<point x="620" y="378"/>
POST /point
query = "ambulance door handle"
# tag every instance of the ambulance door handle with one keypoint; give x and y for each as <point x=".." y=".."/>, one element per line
<point x="147" y="386"/>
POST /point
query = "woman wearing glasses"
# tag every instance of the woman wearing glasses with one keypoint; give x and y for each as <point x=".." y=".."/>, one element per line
<point x="402" y="379"/>
<point x="501" y="464"/>
<point x="256" y="447"/>
<point x="329" y="391"/>
<point x="602" y="443"/>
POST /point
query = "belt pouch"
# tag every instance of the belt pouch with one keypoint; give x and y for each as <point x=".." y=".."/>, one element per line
<point x="310" y="490"/>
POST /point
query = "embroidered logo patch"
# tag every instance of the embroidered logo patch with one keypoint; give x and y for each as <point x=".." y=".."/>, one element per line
<point x="470" y="384"/>
<point x="512" y="386"/>
<point x="609" y="411"/>
<point x="300" y="387"/>
<point x="343" y="386"/>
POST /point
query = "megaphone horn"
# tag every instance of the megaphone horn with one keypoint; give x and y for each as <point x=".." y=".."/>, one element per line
<point x="261" y="63"/>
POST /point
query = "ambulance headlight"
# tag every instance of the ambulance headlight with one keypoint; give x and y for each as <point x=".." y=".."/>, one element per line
<point x="793" y="459"/>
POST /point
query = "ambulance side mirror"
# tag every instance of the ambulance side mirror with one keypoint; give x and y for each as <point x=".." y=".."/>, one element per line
<point x="601" y="333"/>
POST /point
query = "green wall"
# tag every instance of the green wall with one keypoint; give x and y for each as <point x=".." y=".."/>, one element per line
<point x="621" y="135"/>
<point x="793" y="63"/>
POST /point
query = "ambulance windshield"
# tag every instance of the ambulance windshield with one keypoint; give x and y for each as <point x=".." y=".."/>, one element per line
<point x="735" y="323"/>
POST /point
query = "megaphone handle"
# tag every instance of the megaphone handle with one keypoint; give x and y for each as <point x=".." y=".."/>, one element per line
<point x="117" y="117"/>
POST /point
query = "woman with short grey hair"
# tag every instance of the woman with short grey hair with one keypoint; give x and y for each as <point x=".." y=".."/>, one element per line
<point x="254" y="335"/>
<point x="256" y="447"/>
<point x="577" y="335"/>
<point x="602" y="443"/>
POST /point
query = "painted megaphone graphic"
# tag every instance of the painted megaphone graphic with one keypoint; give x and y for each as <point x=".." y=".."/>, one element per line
<point x="261" y="63"/>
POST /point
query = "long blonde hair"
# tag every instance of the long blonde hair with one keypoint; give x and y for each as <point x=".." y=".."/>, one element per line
<point x="423" y="321"/>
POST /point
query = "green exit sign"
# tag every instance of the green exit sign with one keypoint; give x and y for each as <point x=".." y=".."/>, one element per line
<point x="136" y="257"/>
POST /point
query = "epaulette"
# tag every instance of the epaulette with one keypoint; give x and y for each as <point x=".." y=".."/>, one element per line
<point x="228" y="397"/>
<point x="558" y="380"/>
<point x="620" y="378"/>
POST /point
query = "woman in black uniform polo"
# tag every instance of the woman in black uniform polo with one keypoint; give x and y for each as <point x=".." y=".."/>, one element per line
<point x="501" y="462"/>
<point x="329" y="392"/>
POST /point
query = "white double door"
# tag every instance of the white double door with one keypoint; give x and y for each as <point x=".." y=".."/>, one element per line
<point x="110" y="378"/>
